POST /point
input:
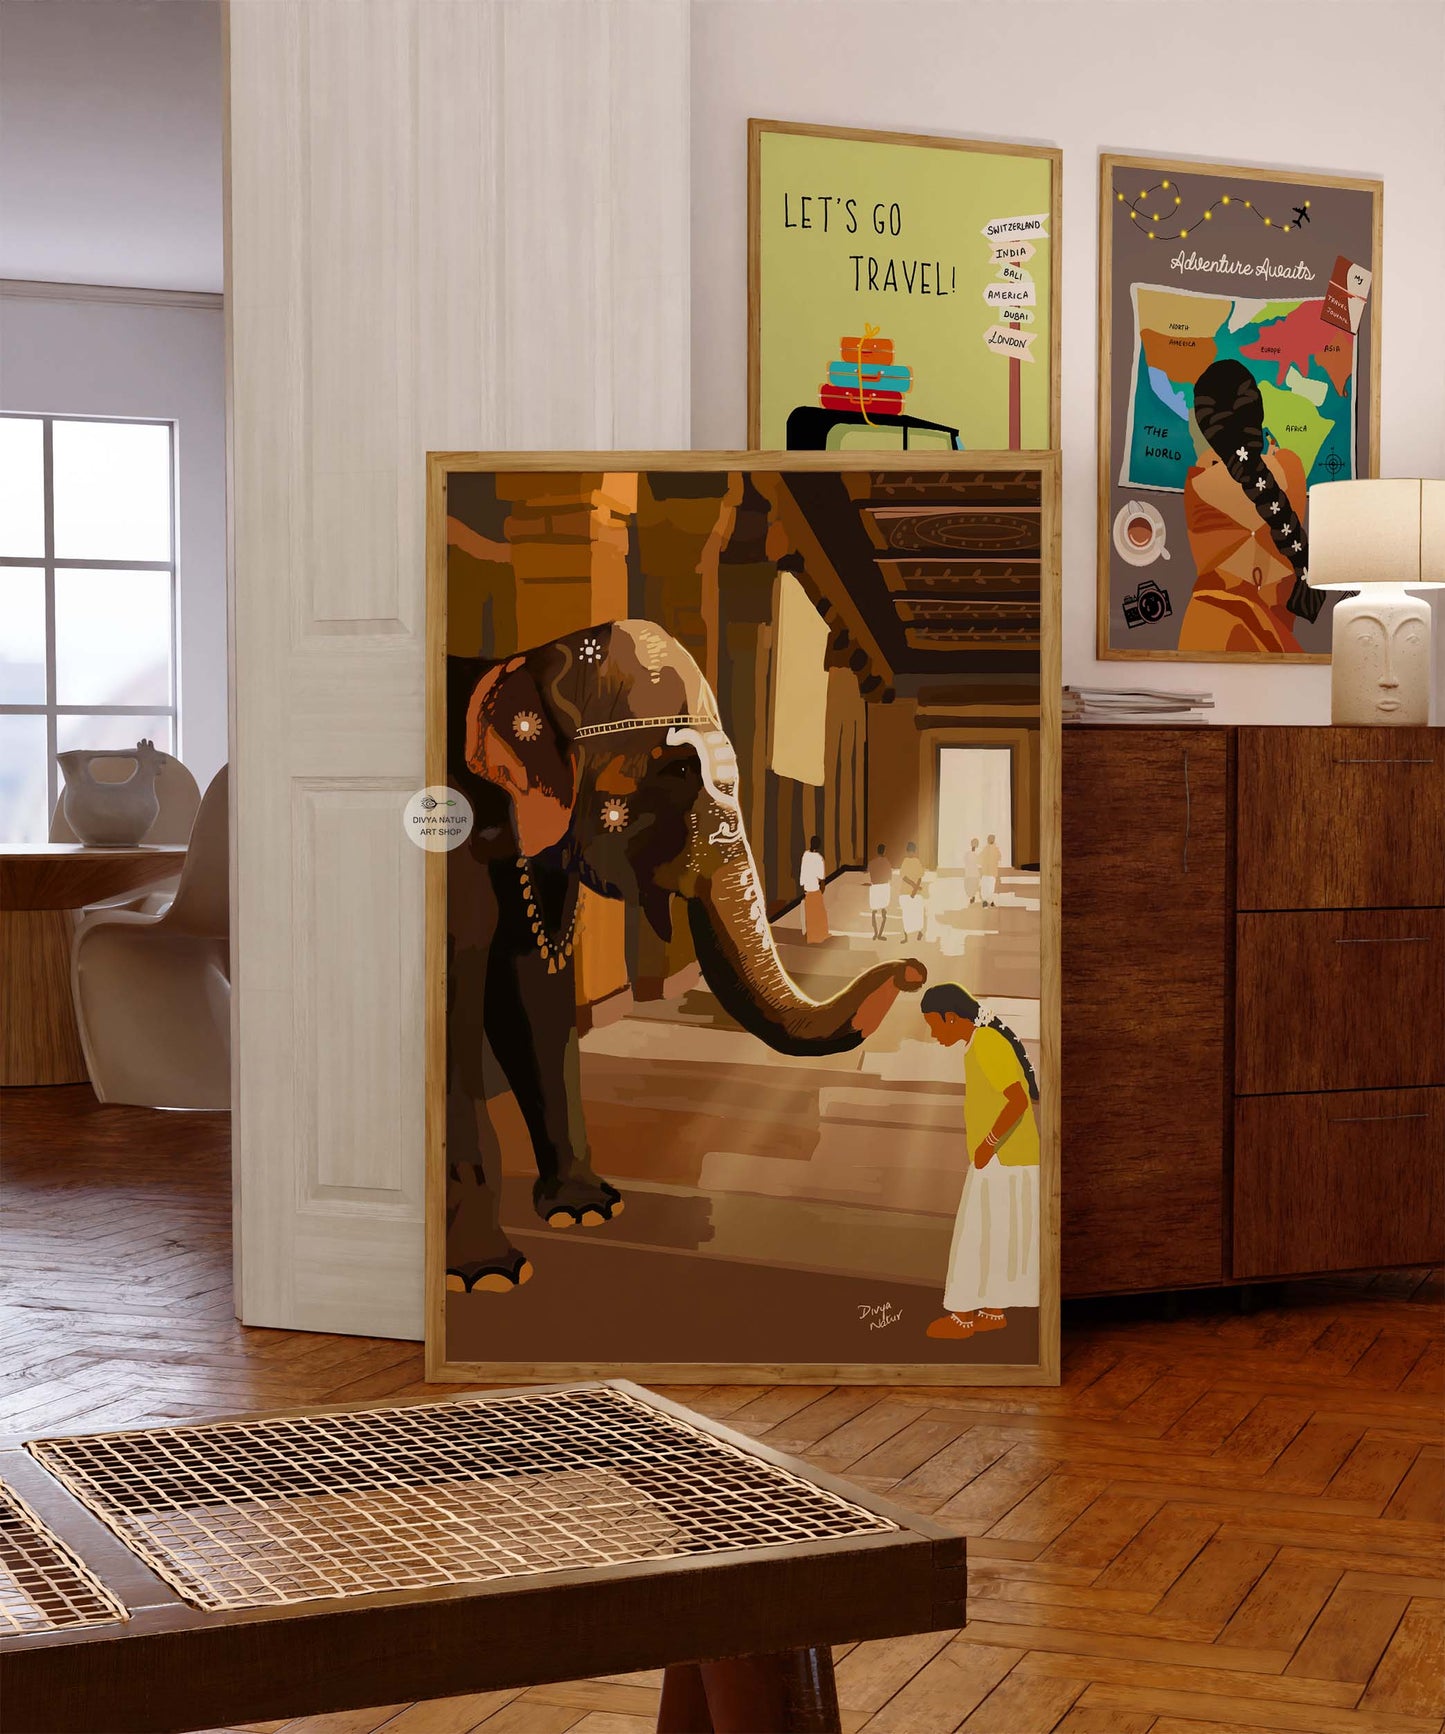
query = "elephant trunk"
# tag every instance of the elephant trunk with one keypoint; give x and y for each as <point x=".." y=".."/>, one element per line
<point x="740" y="963"/>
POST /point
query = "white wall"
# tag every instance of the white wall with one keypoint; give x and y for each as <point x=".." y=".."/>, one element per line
<point x="110" y="142"/>
<point x="129" y="357"/>
<point x="1349" y="87"/>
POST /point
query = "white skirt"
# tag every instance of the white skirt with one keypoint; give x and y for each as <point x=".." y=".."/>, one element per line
<point x="994" y="1260"/>
<point x="910" y="907"/>
<point x="879" y="896"/>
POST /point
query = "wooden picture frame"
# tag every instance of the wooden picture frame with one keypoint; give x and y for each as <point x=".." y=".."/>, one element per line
<point x="961" y="409"/>
<point x="767" y="477"/>
<point x="1128" y="184"/>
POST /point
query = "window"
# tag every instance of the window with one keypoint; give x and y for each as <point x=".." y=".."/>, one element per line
<point x="87" y="600"/>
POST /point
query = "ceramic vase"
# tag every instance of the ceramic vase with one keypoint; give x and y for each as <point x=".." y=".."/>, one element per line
<point x="111" y="815"/>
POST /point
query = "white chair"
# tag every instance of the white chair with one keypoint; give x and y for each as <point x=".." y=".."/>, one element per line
<point x="153" y="991"/>
<point x="179" y="797"/>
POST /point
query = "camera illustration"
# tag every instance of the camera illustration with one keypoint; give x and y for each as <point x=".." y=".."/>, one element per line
<point x="1148" y="604"/>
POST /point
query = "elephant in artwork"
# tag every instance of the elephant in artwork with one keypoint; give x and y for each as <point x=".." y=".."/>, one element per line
<point x="597" y="759"/>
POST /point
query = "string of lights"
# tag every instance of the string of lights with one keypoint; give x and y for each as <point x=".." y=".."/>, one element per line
<point x="1167" y="224"/>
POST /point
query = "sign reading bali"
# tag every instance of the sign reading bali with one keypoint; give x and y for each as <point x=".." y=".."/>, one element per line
<point x="876" y="321"/>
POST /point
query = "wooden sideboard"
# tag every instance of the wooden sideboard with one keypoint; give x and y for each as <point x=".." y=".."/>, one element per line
<point x="1253" y="1003"/>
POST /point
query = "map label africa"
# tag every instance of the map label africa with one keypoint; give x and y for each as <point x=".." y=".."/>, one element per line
<point x="1303" y="365"/>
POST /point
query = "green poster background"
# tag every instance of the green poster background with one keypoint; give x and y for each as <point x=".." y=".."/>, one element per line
<point x="808" y="301"/>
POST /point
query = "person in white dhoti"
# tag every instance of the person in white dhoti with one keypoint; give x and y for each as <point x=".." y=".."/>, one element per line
<point x="910" y="894"/>
<point x="993" y="1263"/>
<point x="989" y="862"/>
<point x="880" y="891"/>
<point x="971" y="871"/>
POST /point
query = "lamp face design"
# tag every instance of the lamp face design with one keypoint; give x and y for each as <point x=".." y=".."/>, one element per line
<point x="1381" y="671"/>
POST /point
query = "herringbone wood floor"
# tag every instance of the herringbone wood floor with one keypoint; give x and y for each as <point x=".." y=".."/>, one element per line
<point x="1222" y="1523"/>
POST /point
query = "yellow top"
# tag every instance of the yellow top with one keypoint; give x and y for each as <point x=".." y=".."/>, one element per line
<point x="990" y="1065"/>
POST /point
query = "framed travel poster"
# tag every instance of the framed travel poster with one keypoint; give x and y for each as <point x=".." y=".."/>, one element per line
<point x="1239" y="364"/>
<point x="742" y="919"/>
<point x="901" y="291"/>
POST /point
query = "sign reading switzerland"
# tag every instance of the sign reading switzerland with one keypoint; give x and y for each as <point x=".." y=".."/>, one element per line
<point x="901" y="292"/>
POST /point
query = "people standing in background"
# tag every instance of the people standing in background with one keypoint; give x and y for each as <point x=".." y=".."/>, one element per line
<point x="993" y="1263"/>
<point x="989" y="862"/>
<point x="910" y="894"/>
<point x="880" y="890"/>
<point x="812" y="873"/>
<point x="971" y="871"/>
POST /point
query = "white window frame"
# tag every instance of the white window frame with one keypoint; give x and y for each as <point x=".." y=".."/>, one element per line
<point x="50" y="709"/>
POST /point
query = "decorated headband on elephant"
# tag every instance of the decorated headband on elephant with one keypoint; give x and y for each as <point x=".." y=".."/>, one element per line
<point x="597" y="759"/>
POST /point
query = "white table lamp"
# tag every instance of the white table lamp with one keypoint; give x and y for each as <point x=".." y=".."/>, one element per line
<point x="1382" y="539"/>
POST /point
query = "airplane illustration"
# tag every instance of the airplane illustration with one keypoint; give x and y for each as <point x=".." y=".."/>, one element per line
<point x="1301" y="214"/>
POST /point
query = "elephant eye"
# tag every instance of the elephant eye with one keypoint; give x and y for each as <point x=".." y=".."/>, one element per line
<point x="679" y="768"/>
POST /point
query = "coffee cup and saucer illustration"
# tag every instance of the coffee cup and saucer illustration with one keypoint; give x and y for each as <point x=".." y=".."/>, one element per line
<point x="1139" y="533"/>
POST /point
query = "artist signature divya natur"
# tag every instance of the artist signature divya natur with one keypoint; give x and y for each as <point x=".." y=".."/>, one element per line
<point x="878" y="1317"/>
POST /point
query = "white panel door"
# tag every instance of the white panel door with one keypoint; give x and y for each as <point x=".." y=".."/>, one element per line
<point x="452" y="224"/>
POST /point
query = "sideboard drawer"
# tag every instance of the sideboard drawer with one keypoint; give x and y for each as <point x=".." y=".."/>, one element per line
<point x="1340" y="818"/>
<point x="1338" y="1182"/>
<point x="1339" y="1000"/>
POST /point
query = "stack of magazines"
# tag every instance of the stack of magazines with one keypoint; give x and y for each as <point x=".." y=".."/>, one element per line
<point x="1133" y="704"/>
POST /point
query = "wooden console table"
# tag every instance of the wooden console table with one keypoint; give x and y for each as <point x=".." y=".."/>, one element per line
<point x="524" y="1536"/>
<point x="1253" y="1003"/>
<point x="40" y="884"/>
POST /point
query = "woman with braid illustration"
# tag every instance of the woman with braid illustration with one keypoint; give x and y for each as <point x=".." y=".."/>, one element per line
<point x="1244" y="502"/>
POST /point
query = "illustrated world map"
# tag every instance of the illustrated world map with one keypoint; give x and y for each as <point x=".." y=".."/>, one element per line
<point x="1305" y="369"/>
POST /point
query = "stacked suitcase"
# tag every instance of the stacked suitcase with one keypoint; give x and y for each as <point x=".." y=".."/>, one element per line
<point x="866" y="379"/>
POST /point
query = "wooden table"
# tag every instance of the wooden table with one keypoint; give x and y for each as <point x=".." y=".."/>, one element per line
<point x="40" y="884"/>
<point x="742" y="1631"/>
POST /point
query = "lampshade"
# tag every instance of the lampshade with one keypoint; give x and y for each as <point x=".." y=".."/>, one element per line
<point x="1377" y="532"/>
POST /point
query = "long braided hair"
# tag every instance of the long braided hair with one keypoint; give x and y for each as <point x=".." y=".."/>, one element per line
<point x="1230" y="413"/>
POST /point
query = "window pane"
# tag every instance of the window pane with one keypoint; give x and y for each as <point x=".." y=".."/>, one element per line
<point x="112" y="490"/>
<point x="105" y="733"/>
<point x="22" y="486"/>
<point x="113" y="637"/>
<point x="23" y="790"/>
<point x="22" y="635"/>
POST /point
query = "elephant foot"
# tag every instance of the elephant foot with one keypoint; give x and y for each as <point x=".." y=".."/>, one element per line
<point x="577" y="1203"/>
<point x="492" y="1276"/>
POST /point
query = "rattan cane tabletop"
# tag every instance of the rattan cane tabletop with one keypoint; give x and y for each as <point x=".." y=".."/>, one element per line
<point x="333" y="1559"/>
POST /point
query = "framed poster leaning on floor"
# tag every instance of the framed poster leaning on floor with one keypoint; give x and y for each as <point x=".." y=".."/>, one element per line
<point x="1239" y="363"/>
<point x="743" y="955"/>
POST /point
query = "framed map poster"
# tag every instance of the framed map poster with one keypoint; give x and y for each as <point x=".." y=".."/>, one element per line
<point x="902" y="291"/>
<point x="742" y="917"/>
<point x="1239" y="363"/>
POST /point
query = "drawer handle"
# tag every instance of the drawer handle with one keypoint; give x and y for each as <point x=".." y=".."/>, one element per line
<point x="1391" y="939"/>
<point x="1370" y="1119"/>
<point x="1384" y="761"/>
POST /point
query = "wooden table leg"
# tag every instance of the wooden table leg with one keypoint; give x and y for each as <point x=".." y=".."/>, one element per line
<point x="787" y="1692"/>
<point x="39" y="1043"/>
<point x="684" y="1702"/>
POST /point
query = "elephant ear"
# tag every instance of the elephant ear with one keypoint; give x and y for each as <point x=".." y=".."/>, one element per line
<point x="513" y="740"/>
